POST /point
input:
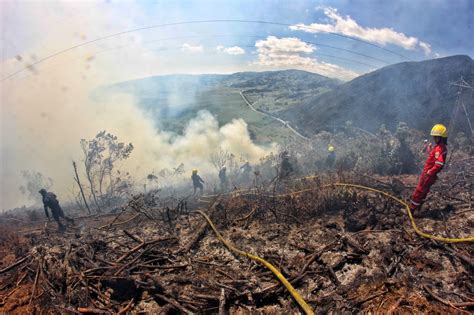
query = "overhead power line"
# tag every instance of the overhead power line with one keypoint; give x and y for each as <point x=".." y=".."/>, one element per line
<point x="244" y="46"/>
<point x="265" y="36"/>
<point x="187" y="23"/>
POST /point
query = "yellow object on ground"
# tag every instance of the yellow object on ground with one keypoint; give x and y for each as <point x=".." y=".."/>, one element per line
<point x="439" y="130"/>
<point x="306" y="308"/>
<point x="403" y="203"/>
<point x="330" y="148"/>
<point x="418" y="231"/>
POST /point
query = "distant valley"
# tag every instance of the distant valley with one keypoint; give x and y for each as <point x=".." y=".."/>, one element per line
<point x="417" y="93"/>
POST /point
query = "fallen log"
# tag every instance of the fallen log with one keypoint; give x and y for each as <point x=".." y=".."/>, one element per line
<point x="222" y="303"/>
<point x="163" y="267"/>
<point x="16" y="264"/>
<point x="126" y="308"/>
<point x="206" y="297"/>
<point x="451" y="304"/>
<point x="199" y="234"/>
<point x="355" y="244"/>
<point x="140" y="246"/>
<point x="86" y="310"/>
<point x="133" y="237"/>
<point x="174" y="303"/>
<point x="35" y="285"/>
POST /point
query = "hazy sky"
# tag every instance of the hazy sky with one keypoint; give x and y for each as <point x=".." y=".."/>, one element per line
<point x="52" y="57"/>
<point x="414" y="29"/>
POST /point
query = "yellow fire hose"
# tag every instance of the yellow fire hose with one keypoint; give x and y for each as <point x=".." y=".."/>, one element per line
<point x="407" y="207"/>
<point x="403" y="203"/>
<point x="306" y="308"/>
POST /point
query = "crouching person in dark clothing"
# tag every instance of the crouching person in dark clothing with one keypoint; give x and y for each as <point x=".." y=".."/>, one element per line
<point x="197" y="181"/>
<point x="50" y="201"/>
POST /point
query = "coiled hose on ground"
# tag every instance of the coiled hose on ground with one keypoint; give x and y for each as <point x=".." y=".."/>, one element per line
<point x="301" y="302"/>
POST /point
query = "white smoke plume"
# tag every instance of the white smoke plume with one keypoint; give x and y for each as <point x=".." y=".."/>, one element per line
<point x="45" y="115"/>
<point x="46" y="110"/>
<point x="43" y="123"/>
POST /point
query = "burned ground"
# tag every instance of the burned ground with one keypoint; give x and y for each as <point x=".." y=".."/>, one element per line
<point x="344" y="250"/>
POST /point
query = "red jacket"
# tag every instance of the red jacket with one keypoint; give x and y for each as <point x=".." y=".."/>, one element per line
<point x="427" y="147"/>
<point x="436" y="159"/>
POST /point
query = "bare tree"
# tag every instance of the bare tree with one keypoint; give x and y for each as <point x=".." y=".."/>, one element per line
<point x="219" y="158"/>
<point x="100" y="156"/>
<point x="78" y="181"/>
<point x="179" y="170"/>
<point x="92" y="154"/>
<point x="121" y="185"/>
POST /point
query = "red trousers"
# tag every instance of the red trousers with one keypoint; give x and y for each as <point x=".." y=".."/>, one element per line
<point x="422" y="189"/>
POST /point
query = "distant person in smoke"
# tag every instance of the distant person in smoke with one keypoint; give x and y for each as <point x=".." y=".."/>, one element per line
<point x="331" y="158"/>
<point x="245" y="171"/>
<point x="433" y="165"/>
<point x="286" y="168"/>
<point x="427" y="147"/>
<point x="50" y="201"/>
<point x="197" y="181"/>
<point x="223" y="178"/>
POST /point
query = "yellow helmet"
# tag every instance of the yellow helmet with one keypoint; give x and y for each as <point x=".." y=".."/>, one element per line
<point x="195" y="171"/>
<point x="330" y="148"/>
<point x="439" y="130"/>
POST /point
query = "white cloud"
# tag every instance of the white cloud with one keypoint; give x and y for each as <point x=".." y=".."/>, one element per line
<point x="191" y="48"/>
<point x="235" y="50"/>
<point x="292" y="53"/>
<point x="287" y="45"/>
<point x="349" y="27"/>
<point x="426" y="47"/>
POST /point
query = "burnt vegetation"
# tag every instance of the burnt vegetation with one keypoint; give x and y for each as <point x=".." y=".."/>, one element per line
<point x="143" y="247"/>
<point x="344" y="250"/>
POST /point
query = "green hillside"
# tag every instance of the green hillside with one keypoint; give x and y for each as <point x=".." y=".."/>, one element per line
<point x="226" y="104"/>
<point x="418" y="93"/>
<point x="173" y="100"/>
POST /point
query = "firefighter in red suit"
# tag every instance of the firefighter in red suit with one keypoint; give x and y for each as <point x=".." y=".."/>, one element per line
<point x="433" y="165"/>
